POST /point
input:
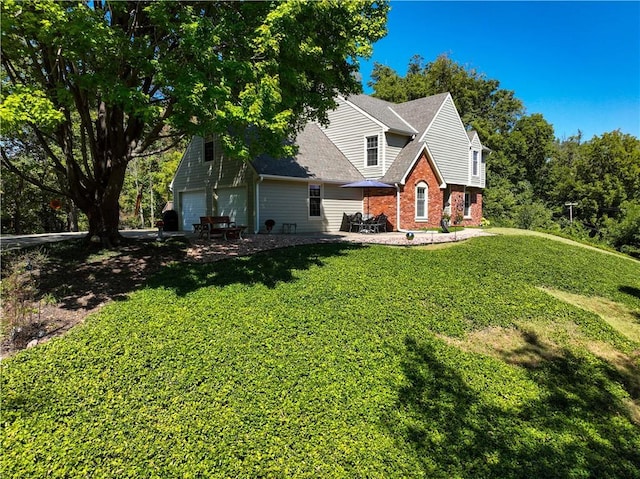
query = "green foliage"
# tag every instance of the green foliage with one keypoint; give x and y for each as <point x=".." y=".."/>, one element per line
<point x="624" y="234"/>
<point x="599" y="174"/>
<point x="334" y="361"/>
<point x="115" y="78"/>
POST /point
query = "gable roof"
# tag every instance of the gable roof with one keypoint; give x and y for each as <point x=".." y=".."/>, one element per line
<point x="419" y="112"/>
<point x="384" y="112"/>
<point x="318" y="158"/>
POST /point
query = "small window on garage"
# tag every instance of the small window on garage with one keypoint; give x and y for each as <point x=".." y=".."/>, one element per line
<point x="315" y="200"/>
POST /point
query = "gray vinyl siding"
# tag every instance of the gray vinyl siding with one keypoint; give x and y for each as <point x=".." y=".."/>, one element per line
<point x="348" y="130"/>
<point x="287" y="202"/>
<point x="222" y="172"/>
<point x="448" y="141"/>
<point x="394" y="145"/>
<point x="194" y="174"/>
<point x="338" y="201"/>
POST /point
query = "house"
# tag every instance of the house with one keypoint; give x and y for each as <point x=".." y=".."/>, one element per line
<point x="433" y="164"/>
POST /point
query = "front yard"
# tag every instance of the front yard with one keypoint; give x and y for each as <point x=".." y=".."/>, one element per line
<point x="343" y="360"/>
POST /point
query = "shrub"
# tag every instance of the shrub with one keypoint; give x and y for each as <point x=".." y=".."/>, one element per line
<point x="20" y="275"/>
<point x="532" y="216"/>
<point x="625" y="232"/>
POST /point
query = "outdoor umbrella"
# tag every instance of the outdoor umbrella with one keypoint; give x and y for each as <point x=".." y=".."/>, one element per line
<point x="366" y="184"/>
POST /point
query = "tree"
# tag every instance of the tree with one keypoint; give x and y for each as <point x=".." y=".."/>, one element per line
<point x="600" y="175"/>
<point x="100" y="82"/>
<point x="480" y="101"/>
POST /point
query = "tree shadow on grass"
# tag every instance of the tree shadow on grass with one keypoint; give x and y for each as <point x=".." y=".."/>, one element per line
<point x="268" y="268"/>
<point x="576" y="426"/>
<point x="81" y="276"/>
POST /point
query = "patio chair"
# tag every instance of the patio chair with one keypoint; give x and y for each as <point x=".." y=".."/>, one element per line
<point x="379" y="223"/>
<point x="355" y="220"/>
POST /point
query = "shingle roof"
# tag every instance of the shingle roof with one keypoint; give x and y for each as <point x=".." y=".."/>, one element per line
<point x="317" y="158"/>
<point x="419" y="113"/>
<point x="384" y="112"/>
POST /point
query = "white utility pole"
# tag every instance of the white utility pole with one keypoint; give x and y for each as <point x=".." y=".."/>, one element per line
<point x="570" y="205"/>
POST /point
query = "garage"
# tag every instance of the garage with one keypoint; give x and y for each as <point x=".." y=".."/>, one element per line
<point x="232" y="202"/>
<point x="193" y="205"/>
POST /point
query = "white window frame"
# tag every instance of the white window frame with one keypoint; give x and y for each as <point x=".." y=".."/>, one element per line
<point x="475" y="163"/>
<point x="366" y="151"/>
<point x="310" y="197"/>
<point x="424" y="201"/>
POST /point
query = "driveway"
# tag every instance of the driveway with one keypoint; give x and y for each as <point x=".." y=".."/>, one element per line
<point x="9" y="242"/>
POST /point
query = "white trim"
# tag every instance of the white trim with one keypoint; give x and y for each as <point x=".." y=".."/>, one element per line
<point x="307" y="180"/>
<point x="320" y="216"/>
<point x="421" y="184"/>
<point x="403" y="121"/>
<point x="464" y="204"/>
<point x="367" y="115"/>
<point x="477" y="174"/>
<point x="439" y="176"/>
<point x="366" y="151"/>
<point x="424" y="134"/>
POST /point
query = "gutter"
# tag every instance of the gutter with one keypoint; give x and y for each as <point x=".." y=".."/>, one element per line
<point x="397" y="185"/>
<point x="260" y="179"/>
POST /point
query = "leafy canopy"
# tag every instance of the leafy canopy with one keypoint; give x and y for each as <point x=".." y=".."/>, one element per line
<point x="197" y="67"/>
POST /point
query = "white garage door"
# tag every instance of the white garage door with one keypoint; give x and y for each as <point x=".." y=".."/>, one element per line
<point x="193" y="205"/>
<point x="232" y="202"/>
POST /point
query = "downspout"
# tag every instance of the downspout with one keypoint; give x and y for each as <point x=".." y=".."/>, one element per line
<point x="398" y="210"/>
<point x="260" y="179"/>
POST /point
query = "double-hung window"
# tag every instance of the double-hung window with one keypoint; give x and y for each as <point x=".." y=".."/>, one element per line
<point x="422" y="195"/>
<point x="315" y="199"/>
<point x="372" y="150"/>
<point x="475" y="169"/>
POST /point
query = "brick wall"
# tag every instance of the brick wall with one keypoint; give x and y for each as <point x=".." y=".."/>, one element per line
<point x="457" y="201"/>
<point x="421" y="172"/>
<point x="383" y="200"/>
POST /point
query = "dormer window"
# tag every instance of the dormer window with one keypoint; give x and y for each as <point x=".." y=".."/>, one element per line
<point x="475" y="167"/>
<point x="372" y="150"/>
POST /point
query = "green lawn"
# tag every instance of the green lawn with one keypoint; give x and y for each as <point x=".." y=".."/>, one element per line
<point x="342" y="361"/>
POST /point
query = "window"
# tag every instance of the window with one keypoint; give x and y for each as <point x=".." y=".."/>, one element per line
<point x="372" y="151"/>
<point x="209" y="149"/>
<point x="467" y="204"/>
<point x="474" y="164"/>
<point x="314" y="201"/>
<point x="422" y="191"/>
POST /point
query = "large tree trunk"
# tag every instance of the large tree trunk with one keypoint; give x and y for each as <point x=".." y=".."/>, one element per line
<point x="102" y="207"/>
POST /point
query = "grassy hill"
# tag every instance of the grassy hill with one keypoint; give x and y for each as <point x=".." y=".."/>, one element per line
<point x="485" y="359"/>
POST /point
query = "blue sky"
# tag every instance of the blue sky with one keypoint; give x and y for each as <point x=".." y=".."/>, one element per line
<point x="576" y="63"/>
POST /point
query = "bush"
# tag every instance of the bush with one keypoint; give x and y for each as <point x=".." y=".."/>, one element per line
<point x="624" y="233"/>
<point x="532" y="216"/>
<point x="20" y="275"/>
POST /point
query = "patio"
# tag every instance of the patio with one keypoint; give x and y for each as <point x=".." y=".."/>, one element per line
<point x="202" y="250"/>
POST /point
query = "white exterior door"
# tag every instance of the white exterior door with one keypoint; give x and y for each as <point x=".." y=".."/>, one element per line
<point x="193" y="205"/>
<point x="232" y="202"/>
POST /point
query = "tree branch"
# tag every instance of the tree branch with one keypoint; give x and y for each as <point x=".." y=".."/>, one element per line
<point x="162" y="150"/>
<point x="6" y="161"/>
